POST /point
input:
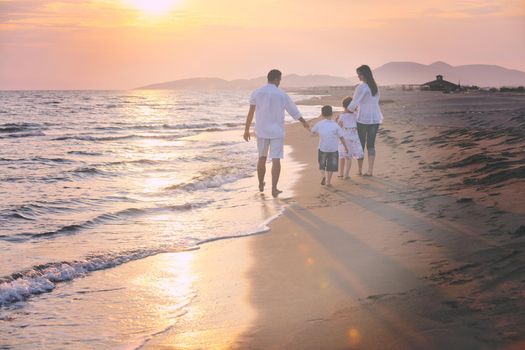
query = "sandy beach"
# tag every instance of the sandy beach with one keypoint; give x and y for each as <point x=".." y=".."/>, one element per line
<point x="428" y="254"/>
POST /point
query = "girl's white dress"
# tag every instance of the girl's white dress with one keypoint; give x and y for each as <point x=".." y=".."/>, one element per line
<point x="348" y="122"/>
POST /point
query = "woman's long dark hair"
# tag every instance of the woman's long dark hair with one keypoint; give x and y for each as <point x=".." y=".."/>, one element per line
<point x="366" y="72"/>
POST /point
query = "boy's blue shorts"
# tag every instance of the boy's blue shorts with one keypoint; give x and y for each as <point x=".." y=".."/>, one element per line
<point x="328" y="161"/>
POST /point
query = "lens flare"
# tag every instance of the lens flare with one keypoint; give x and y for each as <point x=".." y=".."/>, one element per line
<point x="354" y="337"/>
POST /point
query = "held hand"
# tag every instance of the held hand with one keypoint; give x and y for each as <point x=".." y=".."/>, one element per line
<point x="246" y="136"/>
<point x="306" y="125"/>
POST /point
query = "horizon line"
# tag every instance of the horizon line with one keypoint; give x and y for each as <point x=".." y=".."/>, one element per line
<point x="141" y="87"/>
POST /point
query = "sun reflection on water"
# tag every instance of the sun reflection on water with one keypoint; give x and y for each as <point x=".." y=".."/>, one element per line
<point x="166" y="289"/>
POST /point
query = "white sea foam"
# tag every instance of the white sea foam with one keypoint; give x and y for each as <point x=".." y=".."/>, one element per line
<point x="263" y="228"/>
<point x="41" y="279"/>
<point x="212" y="179"/>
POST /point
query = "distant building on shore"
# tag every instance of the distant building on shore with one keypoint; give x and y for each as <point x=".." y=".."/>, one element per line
<point x="440" y="85"/>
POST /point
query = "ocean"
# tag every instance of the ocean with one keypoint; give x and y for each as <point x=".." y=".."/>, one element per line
<point x="91" y="180"/>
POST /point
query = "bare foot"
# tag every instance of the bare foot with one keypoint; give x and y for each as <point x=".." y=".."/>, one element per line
<point x="323" y="181"/>
<point x="328" y="185"/>
<point x="368" y="174"/>
<point x="346" y="178"/>
<point x="261" y="186"/>
<point x="276" y="192"/>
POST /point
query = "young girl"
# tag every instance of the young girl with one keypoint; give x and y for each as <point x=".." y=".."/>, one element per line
<point x="348" y="122"/>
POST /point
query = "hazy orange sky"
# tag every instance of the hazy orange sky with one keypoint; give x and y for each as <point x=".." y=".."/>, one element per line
<point x="120" y="44"/>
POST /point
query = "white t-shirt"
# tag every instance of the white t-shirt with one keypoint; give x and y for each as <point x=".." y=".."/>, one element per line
<point x="270" y="103"/>
<point x="329" y="133"/>
<point x="369" y="111"/>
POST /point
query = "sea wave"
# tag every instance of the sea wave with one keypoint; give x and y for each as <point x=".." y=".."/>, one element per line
<point x="19" y="127"/>
<point x="176" y="126"/>
<point x="20" y="286"/>
<point x="75" y="137"/>
<point x="37" y="159"/>
<point x="85" y="153"/>
<point x="213" y="178"/>
<point x="131" y="161"/>
<point x="24" y="134"/>
<point x="109" y="168"/>
<point x="115" y="138"/>
<point x="42" y="207"/>
<point x="21" y="216"/>
<point x="98" y="220"/>
<point x="88" y="170"/>
<point x="182" y="126"/>
<point x="40" y="279"/>
<point x="31" y="210"/>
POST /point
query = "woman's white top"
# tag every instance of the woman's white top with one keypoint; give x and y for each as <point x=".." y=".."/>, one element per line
<point x="369" y="111"/>
<point x="348" y="120"/>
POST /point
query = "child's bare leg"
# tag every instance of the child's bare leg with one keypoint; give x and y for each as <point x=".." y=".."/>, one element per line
<point x="329" y="178"/>
<point x="360" y="165"/>
<point x="341" y="166"/>
<point x="348" y="165"/>
<point x="323" y="177"/>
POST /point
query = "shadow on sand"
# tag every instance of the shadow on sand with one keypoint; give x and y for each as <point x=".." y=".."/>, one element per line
<point x="348" y="277"/>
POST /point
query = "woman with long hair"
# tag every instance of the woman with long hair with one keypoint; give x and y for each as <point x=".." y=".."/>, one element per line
<point x="369" y="116"/>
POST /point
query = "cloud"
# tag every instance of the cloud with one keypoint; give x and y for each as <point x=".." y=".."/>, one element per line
<point x="16" y="10"/>
<point x="476" y="9"/>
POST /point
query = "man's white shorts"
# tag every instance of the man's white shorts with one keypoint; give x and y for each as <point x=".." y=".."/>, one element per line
<point x="274" y="146"/>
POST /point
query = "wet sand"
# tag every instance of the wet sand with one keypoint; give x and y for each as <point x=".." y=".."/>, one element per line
<point x="428" y="254"/>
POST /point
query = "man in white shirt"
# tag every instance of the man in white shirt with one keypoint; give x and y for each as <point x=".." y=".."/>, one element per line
<point x="269" y="103"/>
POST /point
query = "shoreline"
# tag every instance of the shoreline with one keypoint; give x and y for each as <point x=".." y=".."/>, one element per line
<point x="373" y="263"/>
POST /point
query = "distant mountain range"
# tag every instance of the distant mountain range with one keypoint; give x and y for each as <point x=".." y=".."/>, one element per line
<point x="472" y="74"/>
<point x="393" y="73"/>
<point x="290" y="81"/>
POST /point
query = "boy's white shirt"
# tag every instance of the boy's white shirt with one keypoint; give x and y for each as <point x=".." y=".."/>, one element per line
<point x="329" y="133"/>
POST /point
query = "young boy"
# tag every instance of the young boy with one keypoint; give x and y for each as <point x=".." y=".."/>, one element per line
<point x="329" y="136"/>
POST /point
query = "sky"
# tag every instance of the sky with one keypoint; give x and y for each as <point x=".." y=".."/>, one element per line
<point x="122" y="44"/>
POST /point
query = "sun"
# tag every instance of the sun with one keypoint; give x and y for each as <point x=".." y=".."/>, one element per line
<point x="153" y="7"/>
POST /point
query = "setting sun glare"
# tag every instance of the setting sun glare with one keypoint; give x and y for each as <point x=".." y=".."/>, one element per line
<point x="153" y="7"/>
